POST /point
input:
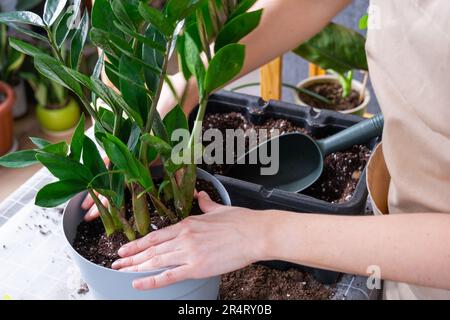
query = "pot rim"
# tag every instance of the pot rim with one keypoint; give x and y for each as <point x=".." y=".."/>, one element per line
<point x="356" y="85"/>
<point x="216" y="183"/>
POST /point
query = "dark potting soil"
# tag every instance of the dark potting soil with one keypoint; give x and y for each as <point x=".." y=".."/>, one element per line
<point x="333" y="92"/>
<point x="341" y="169"/>
<point x="258" y="282"/>
<point x="92" y="243"/>
<point x="2" y="97"/>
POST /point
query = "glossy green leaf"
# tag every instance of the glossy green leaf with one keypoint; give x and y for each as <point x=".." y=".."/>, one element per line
<point x="94" y="162"/>
<point x="25" y="17"/>
<point x="177" y="10"/>
<point x="153" y="56"/>
<point x="156" y="18"/>
<point x="54" y="70"/>
<point x="132" y="91"/>
<point x="64" y="168"/>
<point x="52" y="10"/>
<point x="103" y="16"/>
<point x="57" y="193"/>
<point x="175" y="119"/>
<point x="182" y="56"/>
<point x="59" y="148"/>
<point x="28" y="32"/>
<point x="119" y="154"/>
<point x="20" y="159"/>
<point x="224" y="66"/>
<point x="335" y="47"/>
<point x="194" y="62"/>
<point x="160" y="145"/>
<point x="76" y="144"/>
<point x="78" y="42"/>
<point x="25" y="158"/>
<point x="118" y="7"/>
<point x="39" y="142"/>
<point x="237" y="29"/>
<point x="26" y="48"/>
<point x="241" y="8"/>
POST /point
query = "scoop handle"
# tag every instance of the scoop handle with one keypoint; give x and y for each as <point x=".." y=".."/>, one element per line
<point x="357" y="134"/>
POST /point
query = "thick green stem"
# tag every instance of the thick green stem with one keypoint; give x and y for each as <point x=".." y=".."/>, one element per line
<point x="55" y="48"/>
<point x="153" y="109"/>
<point x="140" y="210"/>
<point x="107" y="220"/>
<point x="121" y="223"/>
<point x="197" y="130"/>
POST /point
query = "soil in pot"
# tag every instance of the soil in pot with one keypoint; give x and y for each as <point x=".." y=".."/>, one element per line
<point x="258" y="282"/>
<point x="333" y="92"/>
<point x="92" y="243"/>
<point x="341" y="171"/>
<point x="2" y="97"/>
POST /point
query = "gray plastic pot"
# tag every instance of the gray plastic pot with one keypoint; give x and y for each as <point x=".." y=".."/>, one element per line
<point x="109" y="284"/>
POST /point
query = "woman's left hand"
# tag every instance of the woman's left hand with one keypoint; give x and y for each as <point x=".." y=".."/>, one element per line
<point x="222" y="240"/>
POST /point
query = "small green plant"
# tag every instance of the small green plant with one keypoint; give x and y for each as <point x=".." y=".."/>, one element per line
<point x="46" y="92"/>
<point x="137" y="42"/>
<point x="10" y="60"/>
<point x="338" y="49"/>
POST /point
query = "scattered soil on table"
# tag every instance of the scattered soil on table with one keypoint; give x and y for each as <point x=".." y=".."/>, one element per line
<point x="333" y="92"/>
<point x="258" y="282"/>
<point x="92" y="243"/>
<point x="341" y="171"/>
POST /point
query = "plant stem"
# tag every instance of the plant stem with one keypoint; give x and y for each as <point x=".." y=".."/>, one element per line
<point x="203" y="34"/>
<point x="140" y="210"/>
<point x="55" y="49"/>
<point x="153" y="109"/>
<point x="107" y="220"/>
<point x="121" y="222"/>
<point x="117" y="124"/>
<point x="196" y="131"/>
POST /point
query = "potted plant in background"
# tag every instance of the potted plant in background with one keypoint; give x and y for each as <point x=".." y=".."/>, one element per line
<point x="341" y="51"/>
<point x="11" y="61"/>
<point x="7" y="100"/>
<point x="57" y="112"/>
<point x="138" y="41"/>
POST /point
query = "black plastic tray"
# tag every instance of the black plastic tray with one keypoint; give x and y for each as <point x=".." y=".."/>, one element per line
<point x="249" y="195"/>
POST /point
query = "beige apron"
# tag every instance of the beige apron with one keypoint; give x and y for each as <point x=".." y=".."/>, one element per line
<point x="408" y="49"/>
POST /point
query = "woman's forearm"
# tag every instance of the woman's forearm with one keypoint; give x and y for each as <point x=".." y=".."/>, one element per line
<point x="284" y="25"/>
<point x="412" y="248"/>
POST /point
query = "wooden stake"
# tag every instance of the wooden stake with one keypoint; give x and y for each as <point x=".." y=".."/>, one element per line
<point x="363" y="88"/>
<point x="271" y="79"/>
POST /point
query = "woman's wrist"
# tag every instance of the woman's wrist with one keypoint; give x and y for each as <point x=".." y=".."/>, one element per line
<point x="182" y="87"/>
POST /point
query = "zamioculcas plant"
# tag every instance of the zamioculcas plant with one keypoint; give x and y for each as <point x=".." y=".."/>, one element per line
<point x="137" y="42"/>
<point x="339" y="49"/>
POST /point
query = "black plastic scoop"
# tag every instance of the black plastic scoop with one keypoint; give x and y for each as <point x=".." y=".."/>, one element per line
<point x="301" y="157"/>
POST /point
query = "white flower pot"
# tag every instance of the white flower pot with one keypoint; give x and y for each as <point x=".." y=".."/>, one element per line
<point x="356" y="85"/>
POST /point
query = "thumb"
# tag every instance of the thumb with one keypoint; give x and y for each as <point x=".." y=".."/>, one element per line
<point x="205" y="203"/>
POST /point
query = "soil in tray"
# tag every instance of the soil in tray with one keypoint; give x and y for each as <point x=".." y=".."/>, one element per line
<point x="341" y="171"/>
<point x="92" y="243"/>
<point x="333" y="92"/>
<point x="258" y="282"/>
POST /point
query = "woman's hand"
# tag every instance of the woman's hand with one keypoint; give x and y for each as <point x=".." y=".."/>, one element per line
<point x="222" y="240"/>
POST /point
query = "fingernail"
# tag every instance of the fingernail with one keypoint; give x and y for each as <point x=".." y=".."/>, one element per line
<point x="115" y="264"/>
<point x="122" y="251"/>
